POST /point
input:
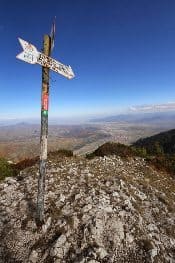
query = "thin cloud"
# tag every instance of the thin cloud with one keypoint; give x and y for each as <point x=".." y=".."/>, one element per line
<point x="153" y="107"/>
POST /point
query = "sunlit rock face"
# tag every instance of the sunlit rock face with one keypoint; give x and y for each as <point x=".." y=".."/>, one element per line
<point x="101" y="210"/>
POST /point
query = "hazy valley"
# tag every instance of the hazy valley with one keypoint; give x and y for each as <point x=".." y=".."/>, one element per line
<point x="22" y="140"/>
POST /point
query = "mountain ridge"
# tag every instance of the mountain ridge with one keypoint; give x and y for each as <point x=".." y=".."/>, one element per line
<point x="164" y="140"/>
<point x="147" y="117"/>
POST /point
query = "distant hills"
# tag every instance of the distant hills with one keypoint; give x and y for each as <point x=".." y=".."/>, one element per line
<point x="21" y="140"/>
<point x="159" y="144"/>
<point x="151" y="117"/>
<point x="164" y="141"/>
<point x="158" y="150"/>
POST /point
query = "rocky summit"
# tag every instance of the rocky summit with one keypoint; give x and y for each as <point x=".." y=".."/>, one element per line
<point x="107" y="209"/>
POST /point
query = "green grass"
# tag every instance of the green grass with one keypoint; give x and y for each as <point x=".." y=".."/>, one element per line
<point x="6" y="169"/>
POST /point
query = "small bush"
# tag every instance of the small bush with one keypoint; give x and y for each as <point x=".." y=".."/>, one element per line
<point x="25" y="163"/>
<point x="145" y="244"/>
<point x="5" y="169"/>
<point x="111" y="148"/>
<point x="164" y="163"/>
<point x="139" y="151"/>
<point x="61" y="153"/>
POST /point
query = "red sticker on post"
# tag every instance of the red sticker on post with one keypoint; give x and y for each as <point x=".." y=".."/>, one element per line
<point x="45" y="101"/>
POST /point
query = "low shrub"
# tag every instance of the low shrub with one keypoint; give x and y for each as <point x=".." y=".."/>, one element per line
<point x="112" y="148"/>
<point x="6" y="169"/>
<point x="25" y="163"/>
<point x="164" y="163"/>
<point x="61" y="153"/>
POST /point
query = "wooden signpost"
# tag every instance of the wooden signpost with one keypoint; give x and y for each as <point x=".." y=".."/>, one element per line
<point x="31" y="55"/>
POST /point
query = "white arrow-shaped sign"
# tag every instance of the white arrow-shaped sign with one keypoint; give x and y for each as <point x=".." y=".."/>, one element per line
<point x="31" y="55"/>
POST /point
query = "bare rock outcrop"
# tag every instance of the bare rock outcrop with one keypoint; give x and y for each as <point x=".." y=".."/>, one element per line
<point x="102" y="210"/>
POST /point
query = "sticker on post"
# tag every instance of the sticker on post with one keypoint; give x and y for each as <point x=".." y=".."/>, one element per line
<point x="45" y="102"/>
<point x="45" y="112"/>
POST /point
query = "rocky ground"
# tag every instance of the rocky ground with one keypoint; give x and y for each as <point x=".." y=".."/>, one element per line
<point x="102" y="210"/>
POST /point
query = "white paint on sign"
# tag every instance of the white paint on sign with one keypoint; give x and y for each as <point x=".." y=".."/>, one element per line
<point x="31" y="55"/>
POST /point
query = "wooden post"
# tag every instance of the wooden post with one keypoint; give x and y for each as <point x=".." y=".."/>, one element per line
<point x="44" y="132"/>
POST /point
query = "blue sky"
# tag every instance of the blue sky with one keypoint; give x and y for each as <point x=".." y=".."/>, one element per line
<point x="122" y="53"/>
